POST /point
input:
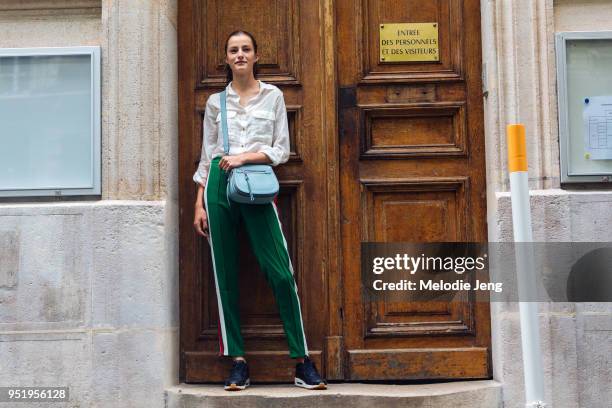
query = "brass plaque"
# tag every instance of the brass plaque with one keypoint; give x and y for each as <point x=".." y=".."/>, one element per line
<point x="409" y="42"/>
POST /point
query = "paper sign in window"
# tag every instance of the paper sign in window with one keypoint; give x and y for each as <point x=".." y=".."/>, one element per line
<point x="597" y="118"/>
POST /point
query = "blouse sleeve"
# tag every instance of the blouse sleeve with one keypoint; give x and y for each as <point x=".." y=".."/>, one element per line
<point x="279" y="151"/>
<point x="209" y="136"/>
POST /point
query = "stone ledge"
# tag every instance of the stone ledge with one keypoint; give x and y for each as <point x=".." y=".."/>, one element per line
<point x="31" y="207"/>
<point x="40" y="10"/>
<point x="20" y="5"/>
<point x="463" y="394"/>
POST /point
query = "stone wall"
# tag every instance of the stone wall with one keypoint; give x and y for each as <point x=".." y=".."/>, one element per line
<point x="90" y="301"/>
<point x="520" y="66"/>
<point x="576" y="337"/>
<point x="140" y="88"/>
<point x="88" y="287"/>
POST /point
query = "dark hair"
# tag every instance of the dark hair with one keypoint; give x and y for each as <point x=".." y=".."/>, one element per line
<point x="228" y="71"/>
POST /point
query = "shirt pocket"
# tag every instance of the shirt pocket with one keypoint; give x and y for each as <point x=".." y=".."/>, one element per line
<point x="230" y="115"/>
<point x="262" y="122"/>
<point x="231" y="126"/>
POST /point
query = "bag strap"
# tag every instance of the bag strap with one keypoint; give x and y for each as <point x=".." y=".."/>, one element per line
<point x="224" y="128"/>
<point x="224" y="122"/>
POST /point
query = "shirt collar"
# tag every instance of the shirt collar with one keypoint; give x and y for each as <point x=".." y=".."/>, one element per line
<point x="230" y="90"/>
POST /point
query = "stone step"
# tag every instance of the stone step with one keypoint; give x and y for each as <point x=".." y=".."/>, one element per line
<point x="461" y="394"/>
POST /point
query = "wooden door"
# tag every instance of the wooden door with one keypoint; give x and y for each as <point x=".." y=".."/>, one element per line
<point x="290" y="38"/>
<point x="412" y="170"/>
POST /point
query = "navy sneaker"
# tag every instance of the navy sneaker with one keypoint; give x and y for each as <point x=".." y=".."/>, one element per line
<point x="239" y="376"/>
<point x="306" y="376"/>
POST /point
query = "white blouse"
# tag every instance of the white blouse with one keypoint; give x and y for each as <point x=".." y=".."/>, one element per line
<point x="260" y="126"/>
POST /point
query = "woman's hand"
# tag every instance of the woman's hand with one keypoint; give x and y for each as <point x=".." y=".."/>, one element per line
<point x="229" y="162"/>
<point x="200" y="221"/>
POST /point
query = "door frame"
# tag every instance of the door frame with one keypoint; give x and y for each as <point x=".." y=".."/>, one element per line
<point x="334" y="345"/>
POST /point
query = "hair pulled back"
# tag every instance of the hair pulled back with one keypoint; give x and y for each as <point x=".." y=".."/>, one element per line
<point x="229" y="76"/>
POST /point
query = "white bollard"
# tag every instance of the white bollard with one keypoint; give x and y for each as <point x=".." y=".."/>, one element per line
<point x="521" y="223"/>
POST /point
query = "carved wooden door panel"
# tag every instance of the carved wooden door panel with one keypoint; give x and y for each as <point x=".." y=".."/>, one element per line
<point x="289" y="36"/>
<point x="412" y="170"/>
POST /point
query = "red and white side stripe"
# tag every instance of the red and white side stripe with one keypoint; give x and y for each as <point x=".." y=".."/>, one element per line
<point x="280" y="225"/>
<point x="223" y="351"/>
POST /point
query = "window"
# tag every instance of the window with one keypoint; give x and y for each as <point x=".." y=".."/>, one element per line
<point x="584" y="64"/>
<point x="49" y="121"/>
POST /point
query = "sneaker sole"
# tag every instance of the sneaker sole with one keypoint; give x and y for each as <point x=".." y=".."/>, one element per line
<point x="302" y="384"/>
<point x="235" y="387"/>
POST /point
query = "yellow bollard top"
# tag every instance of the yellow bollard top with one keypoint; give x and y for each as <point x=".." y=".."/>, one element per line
<point x="517" y="148"/>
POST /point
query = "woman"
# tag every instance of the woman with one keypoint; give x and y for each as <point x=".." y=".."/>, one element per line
<point x="258" y="133"/>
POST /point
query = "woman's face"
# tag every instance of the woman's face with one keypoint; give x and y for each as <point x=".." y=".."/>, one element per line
<point x="240" y="55"/>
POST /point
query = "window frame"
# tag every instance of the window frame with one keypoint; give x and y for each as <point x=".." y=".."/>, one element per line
<point x="94" y="188"/>
<point x="561" y="40"/>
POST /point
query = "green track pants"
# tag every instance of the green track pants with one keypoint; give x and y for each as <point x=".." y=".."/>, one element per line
<point x="263" y="228"/>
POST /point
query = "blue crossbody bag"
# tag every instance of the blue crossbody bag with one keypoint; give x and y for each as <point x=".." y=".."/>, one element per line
<point x="251" y="183"/>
